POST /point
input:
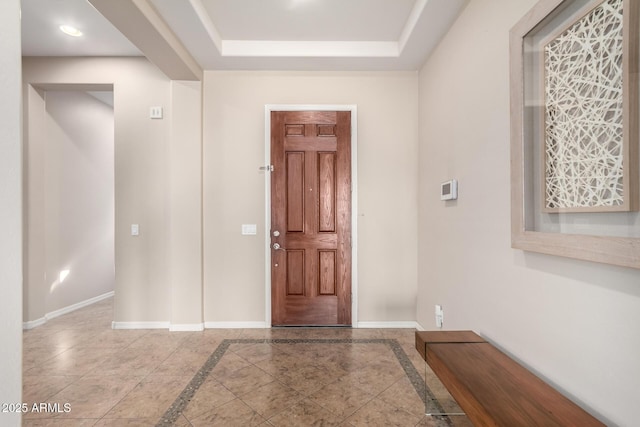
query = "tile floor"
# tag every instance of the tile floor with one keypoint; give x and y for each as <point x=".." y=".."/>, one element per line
<point x="87" y="374"/>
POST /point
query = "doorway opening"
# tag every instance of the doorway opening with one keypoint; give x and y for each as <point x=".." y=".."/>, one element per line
<point x="69" y="200"/>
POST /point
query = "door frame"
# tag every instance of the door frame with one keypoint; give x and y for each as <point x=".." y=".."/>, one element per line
<point x="268" y="108"/>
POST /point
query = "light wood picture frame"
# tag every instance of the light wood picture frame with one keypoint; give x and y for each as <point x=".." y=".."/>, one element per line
<point x="525" y="140"/>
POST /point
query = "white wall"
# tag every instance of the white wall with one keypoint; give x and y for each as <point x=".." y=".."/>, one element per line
<point x="574" y="323"/>
<point x="234" y="190"/>
<point x="143" y="167"/>
<point x="71" y="193"/>
<point x="186" y="206"/>
<point x="11" y="211"/>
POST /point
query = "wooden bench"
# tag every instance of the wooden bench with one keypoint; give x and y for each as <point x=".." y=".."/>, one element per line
<point x="491" y="388"/>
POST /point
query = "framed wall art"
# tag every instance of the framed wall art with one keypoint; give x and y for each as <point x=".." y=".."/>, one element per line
<point x="574" y="130"/>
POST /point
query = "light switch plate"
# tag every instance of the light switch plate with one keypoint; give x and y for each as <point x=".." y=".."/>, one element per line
<point x="135" y="229"/>
<point x="249" y="229"/>
<point x="155" y="112"/>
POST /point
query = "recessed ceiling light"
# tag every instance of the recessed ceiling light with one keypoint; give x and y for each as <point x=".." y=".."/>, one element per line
<point x="71" y="31"/>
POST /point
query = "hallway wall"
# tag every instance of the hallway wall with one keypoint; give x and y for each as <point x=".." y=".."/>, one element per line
<point x="71" y="201"/>
<point x="574" y="323"/>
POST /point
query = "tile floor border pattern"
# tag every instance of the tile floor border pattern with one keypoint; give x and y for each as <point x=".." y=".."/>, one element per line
<point x="178" y="406"/>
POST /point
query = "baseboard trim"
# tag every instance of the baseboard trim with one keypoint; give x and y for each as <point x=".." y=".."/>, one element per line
<point x="388" y="325"/>
<point x="235" y="325"/>
<point x="197" y="327"/>
<point x="34" y="323"/>
<point x="79" y="305"/>
<point x="140" y="325"/>
<point x="186" y="327"/>
<point x="65" y="310"/>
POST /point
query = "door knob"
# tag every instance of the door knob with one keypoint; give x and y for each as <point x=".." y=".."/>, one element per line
<point x="277" y="246"/>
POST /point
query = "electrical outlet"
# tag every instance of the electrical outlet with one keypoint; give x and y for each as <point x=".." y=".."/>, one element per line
<point x="439" y="316"/>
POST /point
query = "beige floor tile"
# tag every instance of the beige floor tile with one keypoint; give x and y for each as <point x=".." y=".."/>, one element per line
<point x="309" y="378"/>
<point x="133" y="361"/>
<point x="73" y="361"/>
<point x="101" y="316"/>
<point x="232" y="414"/>
<point x="41" y="388"/>
<point x="366" y="333"/>
<point x="182" y="422"/>
<point x="223" y="334"/>
<point x="265" y="333"/>
<point x="375" y="377"/>
<point x="184" y="361"/>
<point x="116" y="339"/>
<point x="58" y="338"/>
<point x="210" y="395"/>
<point x="403" y="395"/>
<point x="36" y="356"/>
<point x="379" y="413"/>
<point x="246" y="380"/>
<point x="254" y="353"/>
<point x="120" y="422"/>
<point x="305" y="413"/>
<point x="341" y="398"/>
<point x="282" y="363"/>
<point x="161" y="339"/>
<point x="92" y="397"/>
<point x="202" y="341"/>
<point x="271" y="398"/>
<point x="349" y="359"/>
<point x="56" y="422"/>
<point x="230" y="363"/>
<point x="150" y="398"/>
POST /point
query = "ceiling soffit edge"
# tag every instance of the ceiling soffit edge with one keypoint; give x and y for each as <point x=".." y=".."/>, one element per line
<point x="301" y="48"/>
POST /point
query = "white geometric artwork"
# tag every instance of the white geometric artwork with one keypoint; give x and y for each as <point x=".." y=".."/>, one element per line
<point x="583" y="84"/>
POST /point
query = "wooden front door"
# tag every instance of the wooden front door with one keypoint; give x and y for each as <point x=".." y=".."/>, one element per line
<point x="311" y="218"/>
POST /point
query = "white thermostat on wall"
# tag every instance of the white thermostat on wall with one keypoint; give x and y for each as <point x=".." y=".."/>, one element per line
<point x="449" y="190"/>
